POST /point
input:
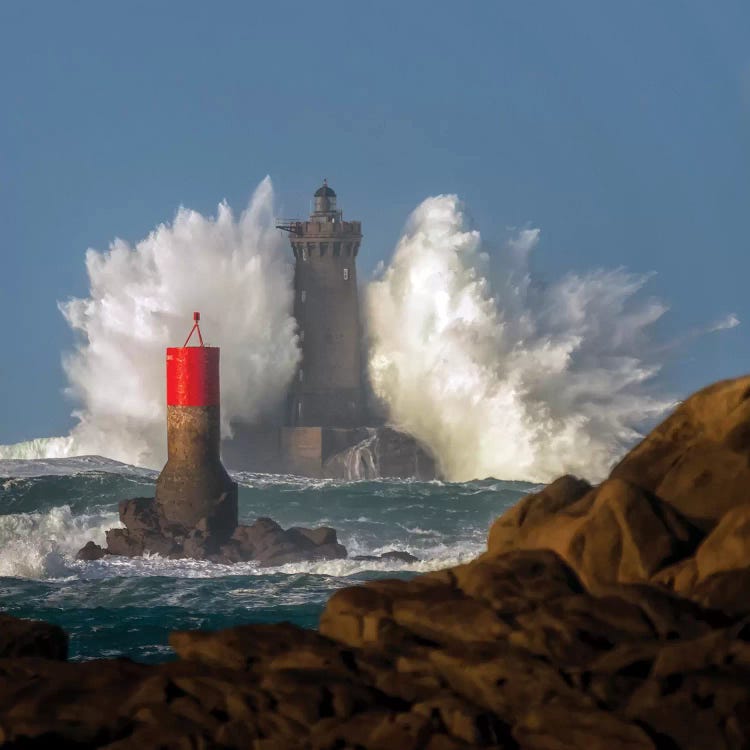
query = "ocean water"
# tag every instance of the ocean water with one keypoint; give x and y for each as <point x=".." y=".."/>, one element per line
<point x="120" y="606"/>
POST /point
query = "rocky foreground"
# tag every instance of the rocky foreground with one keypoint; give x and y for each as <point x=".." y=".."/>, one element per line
<point x="614" y="617"/>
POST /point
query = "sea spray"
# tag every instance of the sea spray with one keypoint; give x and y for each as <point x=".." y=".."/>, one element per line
<point x="141" y="300"/>
<point x="44" y="543"/>
<point x="498" y="374"/>
<point x="501" y="376"/>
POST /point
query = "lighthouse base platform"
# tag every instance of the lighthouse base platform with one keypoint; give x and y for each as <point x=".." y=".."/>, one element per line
<point x="328" y="452"/>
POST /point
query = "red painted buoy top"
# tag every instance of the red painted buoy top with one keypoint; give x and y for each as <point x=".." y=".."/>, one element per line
<point x="193" y="373"/>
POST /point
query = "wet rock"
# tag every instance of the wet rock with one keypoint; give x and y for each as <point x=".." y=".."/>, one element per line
<point x="264" y="541"/>
<point x="267" y="543"/>
<point x="124" y="542"/>
<point x="129" y="543"/>
<point x="139" y="514"/>
<point x="91" y="551"/>
<point x="384" y="452"/>
<point x="318" y="536"/>
<point x="389" y="556"/>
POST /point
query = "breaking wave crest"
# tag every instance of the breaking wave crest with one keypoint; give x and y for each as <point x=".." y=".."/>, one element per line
<point x="501" y="376"/>
<point x="43" y="544"/>
<point x="51" y="447"/>
<point x="141" y="300"/>
<point x="498" y="374"/>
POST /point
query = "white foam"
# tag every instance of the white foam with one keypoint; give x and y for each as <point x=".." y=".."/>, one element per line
<point x="72" y="466"/>
<point x="39" y="448"/>
<point x="501" y="376"/>
<point x="141" y="300"/>
<point x="498" y="374"/>
<point x="43" y="545"/>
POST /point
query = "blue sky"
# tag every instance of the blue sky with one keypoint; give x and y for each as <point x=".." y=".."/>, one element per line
<point x="622" y="130"/>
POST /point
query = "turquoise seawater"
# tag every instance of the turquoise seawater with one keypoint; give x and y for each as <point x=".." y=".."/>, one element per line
<point x="119" y="606"/>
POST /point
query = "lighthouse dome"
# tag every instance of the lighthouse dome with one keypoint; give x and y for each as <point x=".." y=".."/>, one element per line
<point x="324" y="191"/>
<point x="325" y="199"/>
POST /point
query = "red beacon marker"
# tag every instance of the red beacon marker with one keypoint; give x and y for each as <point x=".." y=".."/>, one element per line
<point x="194" y="485"/>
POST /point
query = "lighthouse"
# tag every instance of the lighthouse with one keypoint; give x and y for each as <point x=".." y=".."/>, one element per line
<point x="327" y="386"/>
<point x="325" y="428"/>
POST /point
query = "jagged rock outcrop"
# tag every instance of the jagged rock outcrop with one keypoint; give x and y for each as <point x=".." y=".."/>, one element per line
<point x="269" y="544"/>
<point x="614" y="617"/>
<point x="263" y="541"/>
<point x="697" y="459"/>
<point x="599" y="532"/>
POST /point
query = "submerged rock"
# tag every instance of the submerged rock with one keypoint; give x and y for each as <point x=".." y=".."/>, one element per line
<point x="391" y="556"/>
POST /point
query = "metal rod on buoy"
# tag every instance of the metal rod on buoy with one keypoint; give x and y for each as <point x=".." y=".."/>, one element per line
<point x="194" y="485"/>
<point x="196" y="327"/>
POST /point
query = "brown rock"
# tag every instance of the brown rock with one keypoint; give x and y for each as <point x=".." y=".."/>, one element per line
<point x="124" y="542"/>
<point x="603" y="534"/>
<point x="269" y="544"/>
<point x="727" y="547"/>
<point x="318" y="536"/>
<point x="702" y="709"/>
<point x="139" y="514"/>
<point x="728" y="591"/>
<point x="533" y="511"/>
<point x="627" y="535"/>
<point x="696" y="460"/>
<point x="31" y="638"/>
<point x="560" y="727"/>
<point x="129" y="543"/>
<point x="680" y="577"/>
<point x="90" y="551"/>
<point x="570" y="632"/>
<point x="517" y="581"/>
<point x="249" y="647"/>
<point x="389" y="556"/>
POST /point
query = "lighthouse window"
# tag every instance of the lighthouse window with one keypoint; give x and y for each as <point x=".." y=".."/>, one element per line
<point x="348" y="248"/>
<point x="304" y="254"/>
<point x="336" y="249"/>
<point x="303" y="295"/>
<point x="301" y="335"/>
<point x="346" y="274"/>
<point x="301" y="376"/>
<point x="323" y="248"/>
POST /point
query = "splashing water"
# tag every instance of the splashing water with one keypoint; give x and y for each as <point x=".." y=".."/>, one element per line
<point x="360" y="462"/>
<point x="142" y="299"/>
<point x="497" y="374"/>
<point x="519" y="380"/>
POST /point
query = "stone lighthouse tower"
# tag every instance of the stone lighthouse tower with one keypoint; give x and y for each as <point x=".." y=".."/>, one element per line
<point x="327" y="387"/>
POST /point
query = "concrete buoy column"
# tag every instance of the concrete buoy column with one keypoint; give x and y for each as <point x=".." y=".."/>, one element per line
<point x="194" y="485"/>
